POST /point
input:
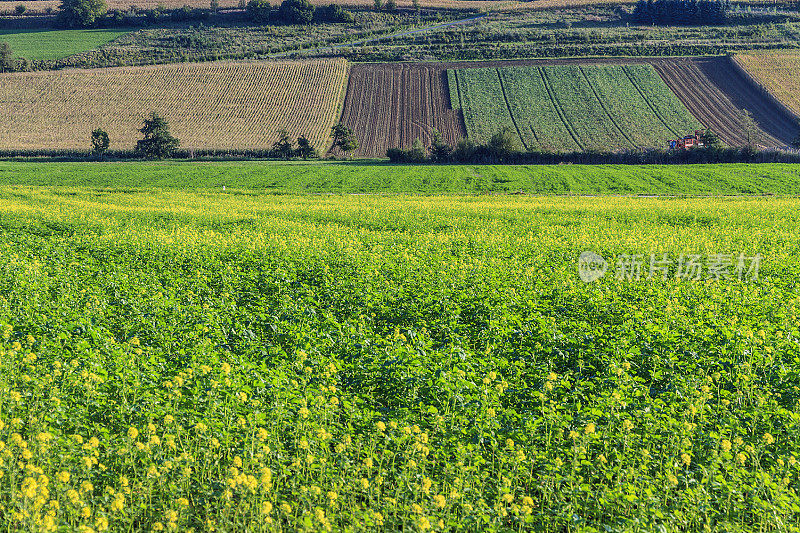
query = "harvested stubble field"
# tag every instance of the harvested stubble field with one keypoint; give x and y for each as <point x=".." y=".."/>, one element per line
<point x="215" y="106"/>
<point x="778" y="72"/>
<point x="571" y="107"/>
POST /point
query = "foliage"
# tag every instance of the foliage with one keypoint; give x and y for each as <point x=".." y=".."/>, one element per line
<point x="440" y="151"/>
<point x="334" y="13"/>
<point x="258" y="11"/>
<point x="7" y="61"/>
<point x="343" y="138"/>
<point x="681" y="12"/>
<point x="305" y="150"/>
<point x="750" y="130"/>
<point x="282" y="148"/>
<point x="81" y="13"/>
<point x="245" y="362"/>
<point x="710" y="139"/>
<point x="796" y="142"/>
<point x="296" y="11"/>
<point x="100" y="142"/>
<point x="157" y="142"/>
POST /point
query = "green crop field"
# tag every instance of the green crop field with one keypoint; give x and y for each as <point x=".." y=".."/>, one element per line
<point x="240" y="362"/>
<point x="55" y="44"/>
<point x="344" y="177"/>
<point x="569" y="108"/>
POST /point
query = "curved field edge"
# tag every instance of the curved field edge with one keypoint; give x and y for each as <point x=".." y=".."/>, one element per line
<point x="270" y="178"/>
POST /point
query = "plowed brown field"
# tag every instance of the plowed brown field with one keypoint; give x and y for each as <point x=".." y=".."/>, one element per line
<point x="391" y="105"/>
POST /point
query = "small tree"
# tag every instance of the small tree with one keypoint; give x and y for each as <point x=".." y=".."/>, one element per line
<point x="504" y="143"/>
<point x="258" y="11"/>
<point x="344" y="138"/>
<point x="417" y="152"/>
<point x="20" y="9"/>
<point x="440" y="150"/>
<point x="214" y="6"/>
<point x="710" y="139"/>
<point x="100" y="143"/>
<point x="81" y="13"/>
<point x="391" y="6"/>
<point x="7" y="62"/>
<point x="304" y="149"/>
<point x="296" y="11"/>
<point x="415" y="4"/>
<point x="157" y="142"/>
<point x="378" y="4"/>
<point x="796" y="141"/>
<point x="750" y="129"/>
<point x="283" y="148"/>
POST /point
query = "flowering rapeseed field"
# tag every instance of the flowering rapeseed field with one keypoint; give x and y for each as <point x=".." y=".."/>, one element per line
<point x="203" y="361"/>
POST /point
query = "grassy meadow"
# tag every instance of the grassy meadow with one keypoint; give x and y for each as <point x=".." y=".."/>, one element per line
<point x="174" y="360"/>
<point x="55" y="44"/>
<point x="360" y="177"/>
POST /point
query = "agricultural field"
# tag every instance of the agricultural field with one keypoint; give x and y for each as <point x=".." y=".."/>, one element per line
<point x="353" y="177"/>
<point x="571" y="107"/>
<point x="55" y="44"/>
<point x="777" y="72"/>
<point x="58" y="110"/>
<point x="391" y="105"/>
<point x="717" y="92"/>
<point x="241" y="362"/>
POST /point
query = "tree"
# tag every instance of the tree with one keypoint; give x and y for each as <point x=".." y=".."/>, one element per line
<point x="415" y="4"/>
<point x="710" y="139"/>
<point x="157" y="142"/>
<point x="750" y="130"/>
<point x="296" y="11"/>
<point x="440" y="150"/>
<point x="304" y="149"/>
<point x="504" y="143"/>
<point x="7" y="62"/>
<point x="378" y="4"/>
<point x="214" y="6"/>
<point x="344" y="138"/>
<point x="258" y="11"/>
<point x="417" y="152"/>
<point x="100" y="143"/>
<point x="391" y="6"/>
<point x="283" y="148"/>
<point x="20" y="9"/>
<point x="81" y="13"/>
<point x="796" y="141"/>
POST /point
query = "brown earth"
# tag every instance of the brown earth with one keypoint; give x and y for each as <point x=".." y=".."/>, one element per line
<point x="391" y="105"/>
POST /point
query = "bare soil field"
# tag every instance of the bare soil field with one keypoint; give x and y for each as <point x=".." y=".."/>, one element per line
<point x="391" y="105"/>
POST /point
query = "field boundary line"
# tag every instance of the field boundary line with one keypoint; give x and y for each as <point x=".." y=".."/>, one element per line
<point x="605" y="110"/>
<point x="647" y="100"/>
<point x="508" y="106"/>
<point x="558" y="109"/>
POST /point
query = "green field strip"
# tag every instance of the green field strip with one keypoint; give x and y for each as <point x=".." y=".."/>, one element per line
<point x="673" y="113"/>
<point x="452" y="88"/>
<point x="602" y="103"/>
<point x="480" y="91"/>
<point x="559" y="110"/>
<point x="628" y="106"/>
<point x="655" y="110"/>
<point x="530" y="104"/>
<point x="510" y="112"/>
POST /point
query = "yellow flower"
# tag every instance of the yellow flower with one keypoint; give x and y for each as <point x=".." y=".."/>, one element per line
<point x="286" y="508"/>
<point x="589" y="429"/>
<point x="133" y="432"/>
<point x="381" y="426"/>
<point x="63" y="477"/>
<point x="168" y="419"/>
<point x="158" y="526"/>
<point x="226" y="369"/>
<point x="627" y="425"/>
<point x="214" y="442"/>
<point x="741" y="458"/>
<point x="686" y="459"/>
<point x="171" y="516"/>
<point x="364" y="483"/>
<point x="768" y="439"/>
<point x="672" y="480"/>
<point x="183" y="502"/>
<point x="725" y="445"/>
<point x="440" y="501"/>
<point x="266" y="507"/>
<point x="86" y="512"/>
<point x="332" y="496"/>
<point x="424" y="524"/>
<point x="101" y="523"/>
<point x="507" y="497"/>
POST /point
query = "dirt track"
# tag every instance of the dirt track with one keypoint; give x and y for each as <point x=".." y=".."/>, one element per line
<point x="392" y="104"/>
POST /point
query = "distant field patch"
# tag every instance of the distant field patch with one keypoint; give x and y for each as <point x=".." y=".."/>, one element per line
<point x="571" y="107"/>
<point x="55" y="44"/>
<point x="777" y="71"/>
<point x="215" y="105"/>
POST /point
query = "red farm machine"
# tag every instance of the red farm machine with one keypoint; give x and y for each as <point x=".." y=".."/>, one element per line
<point x="688" y="142"/>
